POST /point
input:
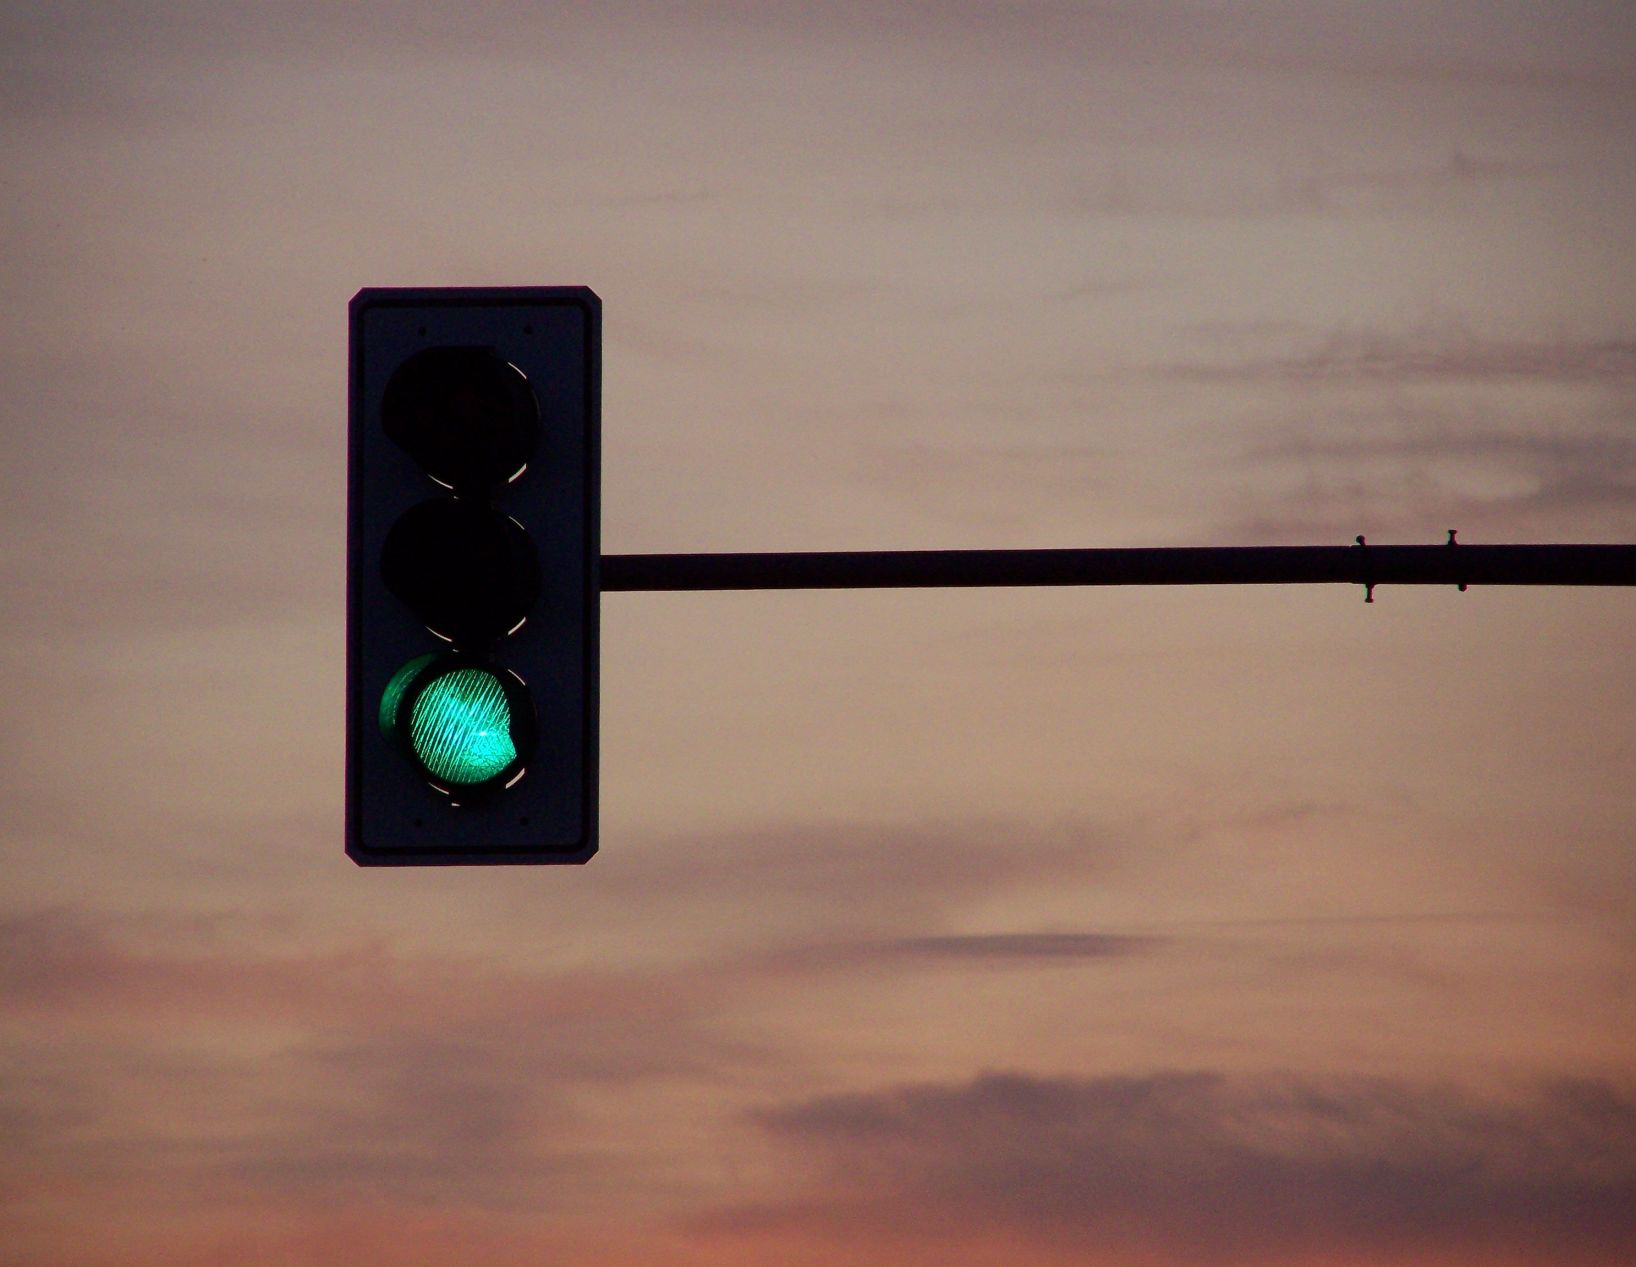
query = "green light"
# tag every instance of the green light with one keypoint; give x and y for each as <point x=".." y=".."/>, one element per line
<point x="392" y="697"/>
<point x="460" y="728"/>
<point x="468" y="725"/>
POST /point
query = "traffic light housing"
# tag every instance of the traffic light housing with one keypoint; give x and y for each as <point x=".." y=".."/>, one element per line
<point x="472" y="575"/>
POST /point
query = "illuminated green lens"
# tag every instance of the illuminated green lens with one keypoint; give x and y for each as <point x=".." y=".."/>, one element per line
<point x="392" y="697"/>
<point x="461" y="727"/>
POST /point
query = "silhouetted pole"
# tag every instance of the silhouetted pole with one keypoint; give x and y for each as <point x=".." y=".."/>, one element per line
<point x="1360" y="564"/>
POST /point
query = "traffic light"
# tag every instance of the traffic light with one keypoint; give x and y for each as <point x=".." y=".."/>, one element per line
<point x="472" y="575"/>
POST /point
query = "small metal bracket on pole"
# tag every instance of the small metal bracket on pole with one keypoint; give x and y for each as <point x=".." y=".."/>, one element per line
<point x="1451" y="542"/>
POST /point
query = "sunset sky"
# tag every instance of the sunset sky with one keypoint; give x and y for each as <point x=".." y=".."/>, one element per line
<point x="1239" y="927"/>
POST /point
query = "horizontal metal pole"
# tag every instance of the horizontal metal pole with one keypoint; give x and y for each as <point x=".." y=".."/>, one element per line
<point x="1366" y="565"/>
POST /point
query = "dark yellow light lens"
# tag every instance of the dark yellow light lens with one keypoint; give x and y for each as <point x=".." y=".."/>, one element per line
<point x="469" y="418"/>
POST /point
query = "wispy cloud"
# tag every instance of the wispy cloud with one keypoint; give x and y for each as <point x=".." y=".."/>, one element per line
<point x="1364" y="428"/>
<point x="1439" y="353"/>
<point x="959" y="951"/>
<point x="1017" y="947"/>
<point x="1206" y="1168"/>
<point x="855" y="881"/>
<point x="1495" y="490"/>
<point x="1229" y="184"/>
<point x="205" y="1063"/>
<point x="84" y="968"/>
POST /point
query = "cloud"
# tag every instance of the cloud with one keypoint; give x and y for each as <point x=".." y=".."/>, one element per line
<point x="105" y="972"/>
<point x="1493" y="489"/>
<point x="1274" y="185"/>
<point x="1446" y="353"/>
<point x="1207" y="1168"/>
<point x="428" y="1114"/>
<point x="1020" y="947"/>
<point x="1492" y="485"/>
<point x="1413" y="432"/>
<point x="847" y="881"/>
<point x="1023" y="951"/>
<point x="431" y="1120"/>
<point x="205" y="1062"/>
<point x="1359" y="428"/>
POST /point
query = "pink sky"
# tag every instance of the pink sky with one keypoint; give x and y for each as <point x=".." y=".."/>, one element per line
<point x="1083" y="928"/>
